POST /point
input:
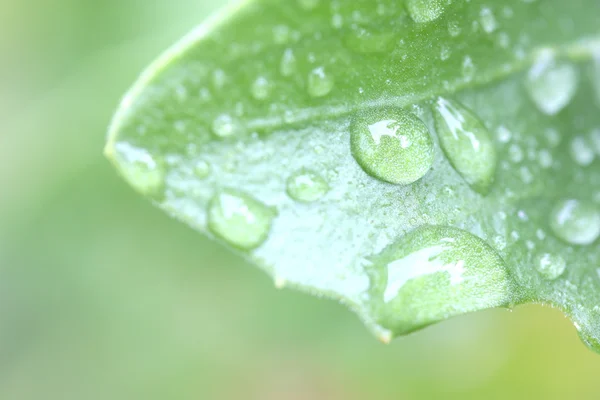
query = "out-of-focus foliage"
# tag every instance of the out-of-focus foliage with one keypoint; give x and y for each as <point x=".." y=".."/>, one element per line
<point x="96" y="304"/>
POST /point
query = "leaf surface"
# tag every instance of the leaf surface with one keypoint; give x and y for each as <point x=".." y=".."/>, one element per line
<point x="415" y="160"/>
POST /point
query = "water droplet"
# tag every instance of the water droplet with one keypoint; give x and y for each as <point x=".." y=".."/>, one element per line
<point x="337" y="21"/>
<point x="225" y="125"/>
<point x="370" y="40"/>
<point x="434" y="273"/>
<point x="281" y="34"/>
<point x="306" y="186"/>
<point x="445" y="53"/>
<point x="576" y="222"/>
<point x="202" y="169"/>
<point x="308" y="4"/>
<point x="288" y="64"/>
<point x="467" y="144"/>
<point x="545" y="159"/>
<point x="261" y="88"/>
<point x="145" y="173"/>
<point x="503" y="134"/>
<point x="392" y="145"/>
<point x="320" y="82"/>
<point x="515" y="153"/>
<point x="468" y="69"/>
<point x="551" y="266"/>
<point x="582" y="151"/>
<point x="219" y="78"/>
<point x="488" y="20"/>
<point x="239" y="219"/>
<point x="425" y="10"/>
<point x="454" y="28"/>
<point x="551" y="85"/>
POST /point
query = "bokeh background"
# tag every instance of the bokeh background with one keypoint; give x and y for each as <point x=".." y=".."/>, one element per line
<point x="104" y="297"/>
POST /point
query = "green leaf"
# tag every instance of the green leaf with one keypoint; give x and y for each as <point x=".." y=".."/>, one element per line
<point x="415" y="160"/>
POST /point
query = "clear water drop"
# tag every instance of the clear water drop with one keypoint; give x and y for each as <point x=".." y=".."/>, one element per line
<point x="370" y="40"/>
<point x="551" y="84"/>
<point x="308" y="4"/>
<point x="261" y="88"/>
<point x="551" y="266"/>
<point x="281" y="34"/>
<point x="488" y="20"/>
<point x="433" y="273"/>
<point x="202" y="169"/>
<point x="320" y="82"/>
<point x="288" y="65"/>
<point x="467" y="143"/>
<point x="144" y="172"/>
<point x="545" y="159"/>
<point x="576" y="222"/>
<point x="306" y="186"/>
<point x="225" y="125"/>
<point x="468" y="69"/>
<point x="425" y="10"/>
<point x="454" y="28"/>
<point x="582" y="151"/>
<point x="515" y="153"/>
<point x="392" y="145"/>
<point x="239" y="219"/>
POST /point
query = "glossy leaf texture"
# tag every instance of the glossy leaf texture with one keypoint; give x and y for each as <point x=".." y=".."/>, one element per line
<point x="415" y="159"/>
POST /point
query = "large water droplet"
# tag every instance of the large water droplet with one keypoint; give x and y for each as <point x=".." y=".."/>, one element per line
<point x="488" y="20"/>
<point x="392" y="145"/>
<point x="467" y="143"/>
<point x="225" y="125"/>
<point x="425" y="10"/>
<point x="261" y="88"/>
<point x="145" y="173"/>
<point x="320" y="82"/>
<point x="551" y="266"/>
<point x="306" y="186"/>
<point x="288" y="63"/>
<point x="434" y="273"/>
<point x="576" y="222"/>
<point x="239" y="219"/>
<point x="551" y="85"/>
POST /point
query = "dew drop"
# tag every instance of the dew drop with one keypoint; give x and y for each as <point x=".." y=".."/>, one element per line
<point x="582" y="151"/>
<point x="433" y="273"/>
<point x="202" y="169"/>
<point x="225" y="125"/>
<point x="454" y="28"/>
<point x="320" y="82"/>
<point x="369" y="40"/>
<point x="306" y="186"/>
<point x="467" y="143"/>
<point x="261" y="88"/>
<point x="281" y="34"/>
<point x="145" y="173"/>
<point x="308" y="4"/>
<point x="576" y="222"/>
<point x="487" y="20"/>
<point x="545" y="159"/>
<point x="551" y="266"/>
<point x="551" y="85"/>
<point x="239" y="219"/>
<point x="392" y="145"/>
<point x="288" y="64"/>
<point x="425" y="10"/>
<point x="468" y="69"/>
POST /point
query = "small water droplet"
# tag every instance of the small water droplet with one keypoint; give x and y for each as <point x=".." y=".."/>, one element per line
<point x="468" y="69"/>
<point x="503" y="134"/>
<point x="288" y="64"/>
<point x="576" y="222"/>
<point x="320" y="82"/>
<point x="488" y="20"/>
<point x="545" y="159"/>
<point x="306" y="186"/>
<point x="425" y="10"/>
<point x="308" y="4"/>
<point x="145" y="173"/>
<point x="433" y="273"/>
<point x="337" y="21"/>
<point x="551" y="85"/>
<point x="454" y="28"/>
<point x="392" y="145"/>
<point x="202" y="169"/>
<point x="239" y="219"/>
<point x="225" y="125"/>
<point x="582" y="151"/>
<point x="445" y="53"/>
<point x="261" y="88"/>
<point x="219" y="78"/>
<point x="370" y="40"/>
<point x="551" y="266"/>
<point x="281" y="34"/>
<point x="515" y="153"/>
<point x="467" y="143"/>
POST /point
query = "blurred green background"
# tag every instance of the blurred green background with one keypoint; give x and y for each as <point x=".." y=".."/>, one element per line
<point x="102" y="296"/>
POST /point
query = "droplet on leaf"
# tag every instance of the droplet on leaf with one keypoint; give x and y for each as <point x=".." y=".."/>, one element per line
<point x="576" y="222"/>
